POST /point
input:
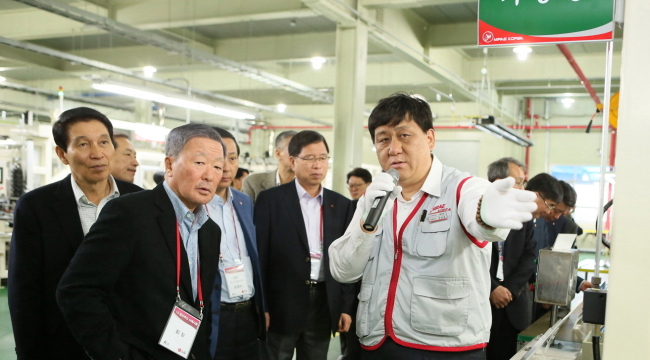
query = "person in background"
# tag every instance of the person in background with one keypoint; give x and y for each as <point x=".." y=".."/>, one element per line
<point x="123" y="162"/>
<point x="241" y="322"/>
<point x="425" y="266"/>
<point x="237" y="182"/>
<point x="358" y="181"/>
<point x="255" y="183"/>
<point x="559" y="221"/>
<point x="49" y="224"/>
<point x="549" y="194"/>
<point x="512" y="265"/>
<point x="296" y="223"/>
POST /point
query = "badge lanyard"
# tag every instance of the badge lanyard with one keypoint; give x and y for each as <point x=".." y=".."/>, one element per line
<point x="178" y="271"/>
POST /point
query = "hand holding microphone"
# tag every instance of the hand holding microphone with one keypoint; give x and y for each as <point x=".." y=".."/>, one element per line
<point x="382" y="190"/>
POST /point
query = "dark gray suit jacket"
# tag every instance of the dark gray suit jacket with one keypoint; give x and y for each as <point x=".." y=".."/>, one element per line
<point x="256" y="183"/>
<point x="518" y="266"/>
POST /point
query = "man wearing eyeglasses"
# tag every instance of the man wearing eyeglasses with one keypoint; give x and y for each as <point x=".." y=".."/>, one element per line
<point x="549" y="194"/>
<point x="559" y="221"/>
<point x="296" y="223"/>
<point x="358" y="181"/>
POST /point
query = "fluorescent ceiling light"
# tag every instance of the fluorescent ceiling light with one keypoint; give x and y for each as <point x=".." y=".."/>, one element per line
<point x="522" y="52"/>
<point x="568" y="102"/>
<point x="317" y="62"/>
<point x="2" y="78"/>
<point x="149" y="71"/>
<point x="282" y="107"/>
<point x="142" y="131"/>
<point x="490" y="125"/>
<point x="175" y="100"/>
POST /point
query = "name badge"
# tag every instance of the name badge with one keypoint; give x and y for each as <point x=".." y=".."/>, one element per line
<point x="236" y="280"/>
<point x="438" y="216"/>
<point x="181" y="329"/>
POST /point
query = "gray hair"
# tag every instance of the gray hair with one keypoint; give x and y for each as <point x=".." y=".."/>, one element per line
<point x="181" y="135"/>
<point x="283" y="136"/>
<point x="500" y="169"/>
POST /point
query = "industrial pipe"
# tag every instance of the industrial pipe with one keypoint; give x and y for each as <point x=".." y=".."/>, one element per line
<point x="572" y="61"/>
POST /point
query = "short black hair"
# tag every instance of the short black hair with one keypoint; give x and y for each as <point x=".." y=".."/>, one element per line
<point x="120" y="135"/>
<point x="361" y="173"/>
<point x="547" y="186"/>
<point x="398" y="107"/>
<point x="225" y="134"/>
<point x="73" y="116"/>
<point x="500" y="169"/>
<point x="240" y="172"/>
<point x="570" y="196"/>
<point x="282" y="136"/>
<point x="304" y="138"/>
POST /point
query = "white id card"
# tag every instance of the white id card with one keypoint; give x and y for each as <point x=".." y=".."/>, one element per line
<point x="236" y="280"/>
<point x="181" y="329"/>
<point x="438" y="216"/>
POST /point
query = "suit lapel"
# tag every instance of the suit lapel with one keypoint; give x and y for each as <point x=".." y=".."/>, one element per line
<point x="68" y="213"/>
<point x="167" y="223"/>
<point x="293" y="207"/>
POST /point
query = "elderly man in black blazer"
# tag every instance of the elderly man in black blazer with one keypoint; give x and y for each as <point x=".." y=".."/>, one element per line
<point x="49" y="224"/>
<point x="513" y="263"/>
<point x="121" y="287"/>
<point x="296" y="223"/>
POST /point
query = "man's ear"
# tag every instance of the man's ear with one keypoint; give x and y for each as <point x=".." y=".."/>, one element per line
<point x="61" y="154"/>
<point x="168" y="163"/>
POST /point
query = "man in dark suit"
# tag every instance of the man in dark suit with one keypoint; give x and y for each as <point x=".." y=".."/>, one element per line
<point x="49" y="224"/>
<point x="296" y="223"/>
<point x="513" y="263"/>
<point x="121" y="287"/>
<point x="241" y="322"/>
<point x="256" y="183"/>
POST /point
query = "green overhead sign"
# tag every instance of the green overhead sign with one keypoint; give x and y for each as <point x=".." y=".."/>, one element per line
<point x="514" y="22"/>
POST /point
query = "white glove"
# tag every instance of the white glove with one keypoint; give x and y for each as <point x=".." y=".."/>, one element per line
<point x="505" y="207"/>
<point x="381" y="184"/>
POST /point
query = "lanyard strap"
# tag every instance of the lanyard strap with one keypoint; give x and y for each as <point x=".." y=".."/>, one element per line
<point x="178" y="271"/>
<point x="397" y="237"/>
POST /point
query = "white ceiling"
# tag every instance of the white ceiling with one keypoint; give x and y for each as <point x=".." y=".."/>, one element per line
<point x="277" y="37"/>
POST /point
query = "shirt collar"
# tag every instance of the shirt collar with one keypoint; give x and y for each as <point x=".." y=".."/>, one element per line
<point x="79" y="194"/>
<point x="434" y="179"/>
<point x="181" y="210"/>
<point x="217" y="201"/>
<point x="277" y="178"/>
<point x="302" y="193"/>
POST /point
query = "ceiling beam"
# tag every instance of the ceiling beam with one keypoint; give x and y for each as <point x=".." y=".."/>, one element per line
<point x="221" y="20"/>
<point x="144" y="37"/>
<point x="411" y="3"/>
<point x="404" y="49"/>
<point x="54" y="54"/>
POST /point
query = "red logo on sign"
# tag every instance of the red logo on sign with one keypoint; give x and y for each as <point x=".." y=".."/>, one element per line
<point x="488" y="36"/>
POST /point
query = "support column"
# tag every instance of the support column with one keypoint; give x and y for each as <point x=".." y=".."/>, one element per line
<point x="628" y="314"/>
<point x="349" y="102"/>
<point x="142" y="111"/>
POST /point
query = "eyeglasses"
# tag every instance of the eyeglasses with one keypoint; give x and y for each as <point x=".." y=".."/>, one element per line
<point x="550" y="207"/>
<point x="313" y="159"/>
<point x="356" y="186"/>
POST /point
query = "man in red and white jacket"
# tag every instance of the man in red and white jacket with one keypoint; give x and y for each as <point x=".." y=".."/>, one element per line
<point x="425" y="267"/>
